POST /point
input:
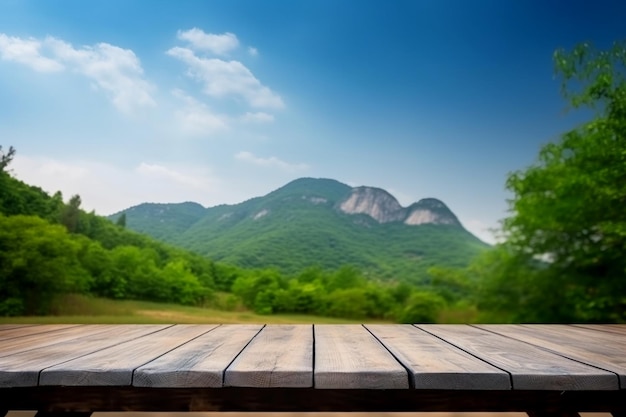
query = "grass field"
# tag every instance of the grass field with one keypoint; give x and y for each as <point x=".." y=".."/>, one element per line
<point x="82" y="310"/>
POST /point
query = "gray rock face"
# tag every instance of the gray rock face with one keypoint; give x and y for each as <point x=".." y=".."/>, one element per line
<point x="384" y="208"/>
<point x="430" y="211"/>
<point x="376" y="203"/>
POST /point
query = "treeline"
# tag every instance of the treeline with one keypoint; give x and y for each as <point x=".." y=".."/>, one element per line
<point x="49" y="247"/>
<point x="40" y="260"/>
<point x="342" y="293"/>
<point x="562" y="259"/>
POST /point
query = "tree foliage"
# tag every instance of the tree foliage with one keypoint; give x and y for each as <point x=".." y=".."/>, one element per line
<point x="49" y="248"/>
<point x="121" y="221"/>
<point x="38" y="261"/>
<point x="342" y="293"/>
<point x="568" y="208"/>
<point x="6" y="157"/>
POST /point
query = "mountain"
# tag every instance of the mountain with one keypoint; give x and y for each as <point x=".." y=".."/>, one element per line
<point x="384" y="208"/>
<point x="317" y="222"/>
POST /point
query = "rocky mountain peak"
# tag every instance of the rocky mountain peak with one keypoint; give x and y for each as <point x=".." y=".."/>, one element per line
<point x="375" y="202"/>
<point x="430" y="211"/>
<point x="384" y="208"/>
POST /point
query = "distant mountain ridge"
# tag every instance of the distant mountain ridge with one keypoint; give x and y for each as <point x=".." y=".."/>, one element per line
<point x="317" y="222"/>
<point x="384" y="208"/>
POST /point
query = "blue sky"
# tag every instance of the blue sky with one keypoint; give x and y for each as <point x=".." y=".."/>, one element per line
<point x="216" y="101"/>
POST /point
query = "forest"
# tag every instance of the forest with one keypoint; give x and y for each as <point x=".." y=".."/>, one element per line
<point x="561" y="258"/>
<point x="49" y="247"/>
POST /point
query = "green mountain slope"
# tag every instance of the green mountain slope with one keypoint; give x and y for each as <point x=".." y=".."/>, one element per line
<point x="317" y="222"/>
<point x="164" y="220"/>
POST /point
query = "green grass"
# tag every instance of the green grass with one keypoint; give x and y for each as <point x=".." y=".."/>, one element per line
<point x="80" y="309"/>
<point x="460" y="314"/>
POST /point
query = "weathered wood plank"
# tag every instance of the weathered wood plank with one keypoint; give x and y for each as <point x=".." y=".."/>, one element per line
<point x="604" y="350"/>
<point x="531" y="368"/>
<point x="348" y="356"/>
<point x="435" y="364"/>
<point x="115" y="365"/>
<point x="566" y="330"/>
<point x="613" y="328"/>
<point x="199" y="363"/>
<point x="22" y="369"/>
<point x="14" y="326"/>
<point x="63" y="414"/>
<point x="560" y="413"/>
<point x="279" y="356"/>
<point x="31" y="330"/>
<point x="70" y="335"/>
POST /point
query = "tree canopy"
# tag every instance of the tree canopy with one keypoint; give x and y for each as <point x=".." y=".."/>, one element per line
<point x="6" y="157"/>
<point x="567" y="231"/>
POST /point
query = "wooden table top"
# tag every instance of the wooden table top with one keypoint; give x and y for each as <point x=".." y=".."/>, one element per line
<point x="333" y="357"/>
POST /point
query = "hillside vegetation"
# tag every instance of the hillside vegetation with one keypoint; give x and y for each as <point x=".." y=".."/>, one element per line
<point x="302" y="225"/>
<point x="562" y="260"/>
<point x="50" y="249"/>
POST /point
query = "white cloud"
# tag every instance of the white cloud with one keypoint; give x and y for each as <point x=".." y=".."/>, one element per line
<point x="258" y="117"/>
<point x="27" y="52"/>
<point x="227" y="78"/>
<point x="271" y="162"/>
<point x="253" y="51"/>
<point x="196" y="119"/>
<point x="218" y="44"/>
<point x="162" y="173"/>
<point x="108" y="188"/>
<point x="115" y="70"/>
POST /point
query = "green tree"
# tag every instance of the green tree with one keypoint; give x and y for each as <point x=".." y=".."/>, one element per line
<point x="345" y="277"/>
<point x="183" y="286"/>
<point x="70" y="215"/>
<point x="257" y="289"/>
<point x="137" y="275"/>
<point x="568" y="208"/>
<point x="121" y="221"/>
<point x="421" y="307"/>
<point x="348" y="303"/>
<point x="38" y="261"/>
<point x="6" y="157"/>
<point x="99" y="263"/>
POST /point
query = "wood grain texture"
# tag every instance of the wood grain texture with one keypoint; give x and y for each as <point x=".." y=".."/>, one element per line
<point x="115" y="365"/>
<point x="280" y="356"/>
<point x="14" y="332"/>
<point x="22" y="369"/>
<point x="14" y="326"/>
<point x="199" y="363"/>
<point x="34" y="341"/>
<point x="569" y="332"/>
<point x="531" y="368"/>
<point x="612" y="328"/>
<point x="348" y="356"/>
<point x="435" y="364"/>
<point x="63" y="414"/>
<point x="605" y="350"/>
